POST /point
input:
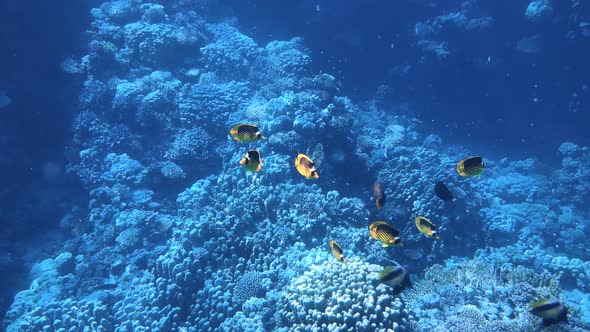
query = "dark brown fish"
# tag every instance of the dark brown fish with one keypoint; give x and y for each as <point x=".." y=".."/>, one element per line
<point x="379" y="194"/>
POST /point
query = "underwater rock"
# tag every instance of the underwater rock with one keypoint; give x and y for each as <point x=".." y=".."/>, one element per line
<point x="153" y="13"/>
<point x="172" y="171"/>
<point x="539" y="11"/>
<point x="65" y="263"/>
<point x="231" y="54"/>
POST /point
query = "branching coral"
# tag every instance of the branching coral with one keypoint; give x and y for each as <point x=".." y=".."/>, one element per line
<point x="474" y="295"/>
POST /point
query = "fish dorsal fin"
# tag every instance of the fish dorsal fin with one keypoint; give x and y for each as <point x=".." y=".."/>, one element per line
<point x="536" y="304"/>
<point x="392" y="261"/>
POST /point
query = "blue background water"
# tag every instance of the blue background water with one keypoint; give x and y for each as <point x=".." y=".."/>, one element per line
<point x="467" y="99"/>
<point x="36" y="126"/>
<point x="485" y="96"/>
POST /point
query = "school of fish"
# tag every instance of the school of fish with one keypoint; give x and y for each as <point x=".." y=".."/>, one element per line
<point x="552" y="311"/>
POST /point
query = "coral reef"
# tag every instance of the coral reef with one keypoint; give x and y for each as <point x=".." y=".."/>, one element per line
<point x="431" y="35"/>
<point x="177" y="237"/>
<point x="572" y="180"/>
<point x="336" y="296"/>
<point x="474" y="295"/>
<point x="539" y="11"/>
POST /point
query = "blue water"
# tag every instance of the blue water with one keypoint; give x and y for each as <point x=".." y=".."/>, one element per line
<point x="124" y="206"/>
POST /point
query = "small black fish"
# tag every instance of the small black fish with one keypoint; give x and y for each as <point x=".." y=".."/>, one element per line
<point x="106" y="287"/>
<point x="443" y="192"/>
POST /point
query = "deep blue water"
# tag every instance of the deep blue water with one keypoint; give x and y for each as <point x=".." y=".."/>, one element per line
<point x="35" y="193"/>
<point x="465" y="98"/>
<point x="121" y="189"/>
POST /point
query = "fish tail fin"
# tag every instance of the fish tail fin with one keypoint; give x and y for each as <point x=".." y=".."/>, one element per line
<point x="563" y="316"/>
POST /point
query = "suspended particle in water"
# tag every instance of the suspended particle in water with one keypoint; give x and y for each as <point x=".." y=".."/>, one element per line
<point x="4" y="99"/>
